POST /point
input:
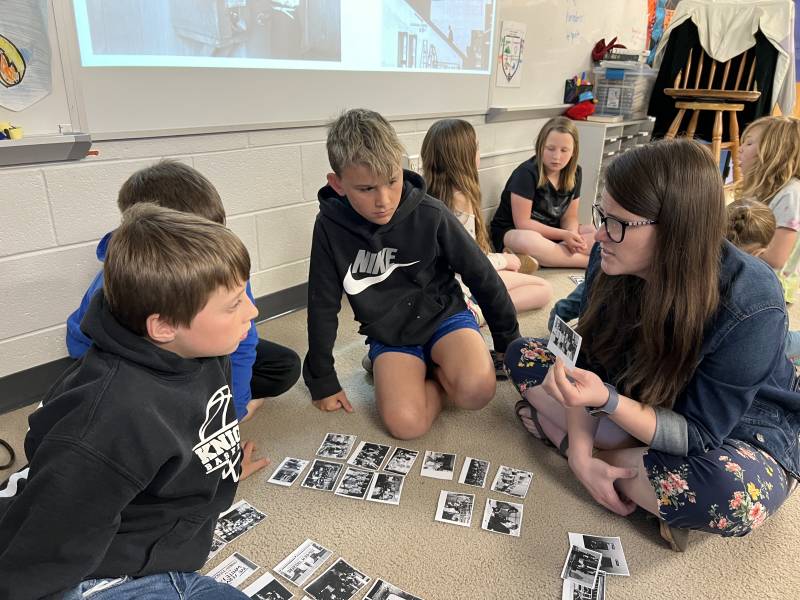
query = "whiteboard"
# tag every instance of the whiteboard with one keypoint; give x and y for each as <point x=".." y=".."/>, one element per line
<point x="57" y="108"/>
<point x="559" y="42"/>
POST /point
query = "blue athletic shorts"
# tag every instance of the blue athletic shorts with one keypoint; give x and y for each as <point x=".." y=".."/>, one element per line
<point x="462" y="320"/>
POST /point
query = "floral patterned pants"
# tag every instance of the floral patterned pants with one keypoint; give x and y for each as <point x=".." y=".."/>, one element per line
<point x="729" y="490"/>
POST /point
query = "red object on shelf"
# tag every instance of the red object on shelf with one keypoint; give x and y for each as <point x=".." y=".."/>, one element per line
<point x="600" y="48"/>
<point x="580" y="111"/>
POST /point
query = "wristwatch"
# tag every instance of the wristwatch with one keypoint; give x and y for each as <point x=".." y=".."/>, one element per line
<point x="611" y="404"/>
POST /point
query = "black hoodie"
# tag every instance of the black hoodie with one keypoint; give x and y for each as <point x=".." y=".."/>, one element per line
<point x="132" y="457"/>
<point x="399" y="278"/>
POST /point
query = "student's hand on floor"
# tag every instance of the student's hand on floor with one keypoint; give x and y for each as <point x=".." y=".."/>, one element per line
<point x="249" y="465"/>
<point x="335" y="402"/>
<point x="584" y="389"/>
<point x="598" y="477"/>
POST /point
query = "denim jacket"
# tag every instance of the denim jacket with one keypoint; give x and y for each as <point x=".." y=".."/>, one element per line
<point x="743" y="385"/>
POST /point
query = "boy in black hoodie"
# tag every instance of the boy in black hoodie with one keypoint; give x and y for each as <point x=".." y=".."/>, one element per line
<point x="394" y="251"/>
<point x="136" y="450"/>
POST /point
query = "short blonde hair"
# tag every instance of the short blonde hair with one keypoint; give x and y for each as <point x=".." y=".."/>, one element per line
<point x="751" y="225"/>
<point x="363" y="137"/>
<point x="166" y="262"/>
<point x="778" y="158"/>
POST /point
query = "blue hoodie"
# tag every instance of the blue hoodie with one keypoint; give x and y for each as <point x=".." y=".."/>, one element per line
<point x="241" y="360"/>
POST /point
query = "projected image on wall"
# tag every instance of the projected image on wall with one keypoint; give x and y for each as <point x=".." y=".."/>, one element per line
<point x="427" y="35"/>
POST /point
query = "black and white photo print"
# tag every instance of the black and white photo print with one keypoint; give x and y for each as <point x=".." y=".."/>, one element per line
<point x="354" y="483"/>
<point x="613" y="561"/>
<point x="401" y="461"/>
<point x="383" y="590"/>
<point x="336" y="445"/>
<point x="237" y="520"/>
<point x="455" y="508"/>
<point x="503" y="517"/>
<point x="369" y="455"/>
<point x="340" y="582"/>
<point x="514" y="482"/>
<point x="288" y="471"/>
<point x="438" y="465"/>
<point x="267" y="587"/>
<point x="322" y="476"/>
<point x="564" y="342"/>
<point x="301" y="564"/>
<point x="474" y="472"/>
<point x="581" y="566"/>
<point x="386" y="488"/>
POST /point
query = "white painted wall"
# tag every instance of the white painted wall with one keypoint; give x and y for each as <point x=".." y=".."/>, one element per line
<point x="52" y="216"/>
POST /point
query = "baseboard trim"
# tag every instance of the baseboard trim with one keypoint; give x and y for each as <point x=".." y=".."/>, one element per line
<point x="29" y="386"/>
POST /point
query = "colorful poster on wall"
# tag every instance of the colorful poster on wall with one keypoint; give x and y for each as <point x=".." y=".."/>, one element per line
<point x="512" y="45"/>
<point x="24" y="54"/>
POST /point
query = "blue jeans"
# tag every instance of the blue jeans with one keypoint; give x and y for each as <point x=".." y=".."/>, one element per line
<point x="161" y="586"/>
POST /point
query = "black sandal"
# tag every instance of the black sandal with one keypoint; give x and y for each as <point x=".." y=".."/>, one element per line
<point x="534" y="417"/>
<point x="11" y="454"/>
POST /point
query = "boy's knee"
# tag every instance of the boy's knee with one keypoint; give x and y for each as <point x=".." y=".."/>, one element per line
<point x="407" y="424"/>
<point x="474" y="391"/>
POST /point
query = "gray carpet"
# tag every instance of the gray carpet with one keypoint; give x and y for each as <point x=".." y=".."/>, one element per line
<point x="404" y="544"/>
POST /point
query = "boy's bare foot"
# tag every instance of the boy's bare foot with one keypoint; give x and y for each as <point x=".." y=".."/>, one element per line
<point x="249" y="465"/>
<point x="252" y="407"/>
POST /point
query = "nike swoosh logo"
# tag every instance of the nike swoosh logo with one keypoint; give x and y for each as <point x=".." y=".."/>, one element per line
<point x="355" y="286"/>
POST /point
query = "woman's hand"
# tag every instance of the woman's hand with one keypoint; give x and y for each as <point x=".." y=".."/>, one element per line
<point x="512" y="262"/>
<point x="574" y="241"/>
<point x="598" y="477"/>
<point x="576" y="387"/>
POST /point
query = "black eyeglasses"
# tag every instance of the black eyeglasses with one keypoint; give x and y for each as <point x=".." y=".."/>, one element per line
<point x="614" y="227"/>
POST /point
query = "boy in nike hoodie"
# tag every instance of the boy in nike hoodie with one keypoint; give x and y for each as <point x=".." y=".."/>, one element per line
<point x="394" y="251"/>
<point x="135" y="450"/>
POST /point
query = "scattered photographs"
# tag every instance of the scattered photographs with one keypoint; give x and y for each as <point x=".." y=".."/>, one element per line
<point x="336" y="445"/>
<point x="438" y="465"/>
<point x="455" y="508"/>
<point x="401" y="461"/>
<point x="217" y="544"/>
<point x="613" y="561"/>
<point x="514" y="482"/>
<point x="369" y="456"/>
<point x="288" y="471"/>
<point x="564" y="342"/>
<point x="340" y="582"/>
<point x="354" y="483"/>
<point x="474" y="472"/>
<point x="577" y="279"/>
<point x="322" y="476"/>
<point x="300" y="565"/>
<point x="237" y="520"/>
<point x="383" y="590"/>
<point x="267" y="587"/>
<point x="233" y="570"/>
<point x="573" y="591"/>
<point x="386" y="488"/>
<point x="502" y="517"/>
<point x="582" y="566"/>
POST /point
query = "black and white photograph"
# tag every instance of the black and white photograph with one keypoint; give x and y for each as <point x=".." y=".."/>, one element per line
<point x="574" y="591"/>
<point x="217" y="544"/>
<point x="340" y="582"/>
<point x="322" y="476"/>
<point x="455" y="508"/>
<point x="288" y="471"/>
<point x="300" y="565"/>
<point x="582" y="566"/>
<point x="564" y="342"/>
<point x="234" y="570"/>
<point x="401" y="461"/>
<point x="474" y="472"/>
<point x="438" y="465"/>
<point x="613" y="561"/>
<point x="577" y="279"/>
<point x="383" y="590"/>
<point x="386" y="488"/>
<point x="336" y="445"/>
<point x="369" y="455"/>
<point x="354" y="483"/>
<point x="237" y="520"/>
<point x="503" y="517"/>
<point x="267" y="587"/>
<point x="514" y="482"/>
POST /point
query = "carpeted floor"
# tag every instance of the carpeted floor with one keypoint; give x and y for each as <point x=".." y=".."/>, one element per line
<point x="404" y="545"/>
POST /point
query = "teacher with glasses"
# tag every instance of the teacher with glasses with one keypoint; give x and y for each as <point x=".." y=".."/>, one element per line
<point x="683" y="401"/>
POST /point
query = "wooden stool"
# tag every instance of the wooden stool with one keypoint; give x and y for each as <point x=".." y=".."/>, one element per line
<point x="718" y="99"/>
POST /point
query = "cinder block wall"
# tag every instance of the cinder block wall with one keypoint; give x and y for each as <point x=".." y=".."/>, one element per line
<point x="53" y="215"/>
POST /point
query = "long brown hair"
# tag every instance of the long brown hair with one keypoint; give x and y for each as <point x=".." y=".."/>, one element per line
<point x="648" y="332"/>
<point x="566" y="178"/>
<point x="778" y="158"/>
<point x="448" y="163"/>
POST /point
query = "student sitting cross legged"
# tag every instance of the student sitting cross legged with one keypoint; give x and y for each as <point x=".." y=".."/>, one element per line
<point x="135" y="450"/>
<point x="261" y="368"/>
<point x="683" y="402"/>
<point x="394" y="251"/>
